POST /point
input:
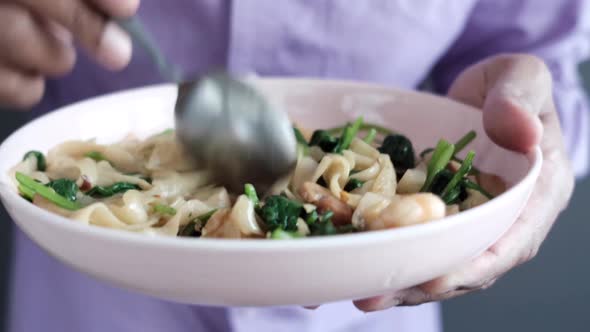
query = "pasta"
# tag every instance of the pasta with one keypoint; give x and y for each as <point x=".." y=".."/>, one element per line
<point x="343" y="182"/>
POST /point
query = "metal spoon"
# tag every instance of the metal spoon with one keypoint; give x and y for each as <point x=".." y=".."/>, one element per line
<point x="225" y="124"/>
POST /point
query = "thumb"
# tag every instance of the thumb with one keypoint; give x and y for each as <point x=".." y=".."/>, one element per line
<point x="512" y="90"/>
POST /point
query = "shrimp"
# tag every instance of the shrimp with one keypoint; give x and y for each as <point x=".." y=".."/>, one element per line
<point x="406" y="210"/>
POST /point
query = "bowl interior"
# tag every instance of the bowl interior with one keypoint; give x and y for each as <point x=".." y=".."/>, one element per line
<point x="314" y="104"/>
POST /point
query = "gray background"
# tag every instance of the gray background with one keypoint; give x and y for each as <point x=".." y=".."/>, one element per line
<point x="548" y="294"/>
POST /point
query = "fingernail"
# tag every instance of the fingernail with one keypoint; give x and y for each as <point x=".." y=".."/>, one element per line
<point x="114" y="51"/>
<point x="123" y="8"/>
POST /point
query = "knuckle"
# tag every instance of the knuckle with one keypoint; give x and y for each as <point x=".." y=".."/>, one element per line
<point x="535" y="65"/>
<point x="85" y="23"/>
<point x="16" y="26"/>
<point x="528" y="254"/>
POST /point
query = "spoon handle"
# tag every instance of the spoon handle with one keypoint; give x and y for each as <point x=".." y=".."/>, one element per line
<point x="136" y="30"/>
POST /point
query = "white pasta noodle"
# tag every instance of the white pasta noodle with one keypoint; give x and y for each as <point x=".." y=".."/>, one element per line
<point x="119" y="156"/>
<point x="186" y="212"/>
<point x="335" y="170"/>
<point x="171" y="183"/>
<point x="304" y="171"/>
<point x="164" y="153"/>
<point x="379" y="178"/>
<point x="361" y="147"/>
<point x="151" y="187"/>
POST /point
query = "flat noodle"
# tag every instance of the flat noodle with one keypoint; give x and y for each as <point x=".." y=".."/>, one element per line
<point x="153" y="188"/>
<point x="334" y="169"/>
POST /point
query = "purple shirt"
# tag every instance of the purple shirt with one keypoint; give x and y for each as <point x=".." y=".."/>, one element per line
<point x="394" y="42"/>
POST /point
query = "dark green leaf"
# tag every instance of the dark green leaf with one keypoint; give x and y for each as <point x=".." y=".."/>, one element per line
<point x="474" y="186"/>
<point x="324" y="140"/>
<point x="108" y="191"/>
<point x="41" y="164"/>
<point x="188" y="229"/>
<point x="280" y="212"/>
<point x="45" y="192"/>
<point x="400" y="150"/>
<point x="353" y="184"/>
<point x="65" y="187"/>
<point x="311" y="217"/>
<point x="456" y="179"/>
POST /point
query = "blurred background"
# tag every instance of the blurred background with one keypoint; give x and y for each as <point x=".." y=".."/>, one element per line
<point x="546" y="295"/>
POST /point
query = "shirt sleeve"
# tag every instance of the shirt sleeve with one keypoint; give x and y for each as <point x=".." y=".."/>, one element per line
<point x="556" y="31"/>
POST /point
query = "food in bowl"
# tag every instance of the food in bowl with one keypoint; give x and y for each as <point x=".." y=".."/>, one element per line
<point x="354" y="178"/>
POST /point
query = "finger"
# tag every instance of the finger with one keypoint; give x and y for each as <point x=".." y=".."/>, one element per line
<point x="117" y="8"/>
<point x="512" y="90"/>
<point x="106" y="41"/>
<point x="29" y="45"/>
<point x="521" y="242"/>
<point x="18" y="89"/>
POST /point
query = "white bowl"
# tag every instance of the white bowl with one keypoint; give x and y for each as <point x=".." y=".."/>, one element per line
<point x="264" y="272"/>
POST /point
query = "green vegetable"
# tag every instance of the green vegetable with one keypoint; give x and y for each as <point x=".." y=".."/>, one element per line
<point x="327" y="216"/>
<point x="464" y="141"/>
<point x="324" y="226"/>
<point x="32" y="186"/>
<point x="474" y="170"/>
<point x="323" y="229"/>
<point x="299" y="137"/>
<point x="166" y="132"/>
<point x="279" y="234"/>
<point x="400" y="150"/>
<point x="41" y="164"/>
<point x="332" y="144"/>
<point x="97" y="156"/>
<point x="65" y="187"/>
<point x="370" y="136"/>
<point x="201" y="221"/>
<point x="280" y="212"/>
<point x="451" y="187"/>
<point x="474" y="186"/>
<point x="108" y="191"/>
<point x="460" y="145"/>
<point x="250" y="191"/>
<point x="348" y="134"/>
<point x="425" y="151"/>
<point x="311" y="217"/>
<point x="302" y="145"/>
<point x="26" y="192"/>
<point x="189" y="229"/>
<point x="164" y="209"/>
<point x="440" y="158"/>
<point x="206" y="216"/>
<point x="364" y="126"/>
<point x="353" y="184"/>
<point x="440" y="181"/>
<point x="324" y="140"/>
